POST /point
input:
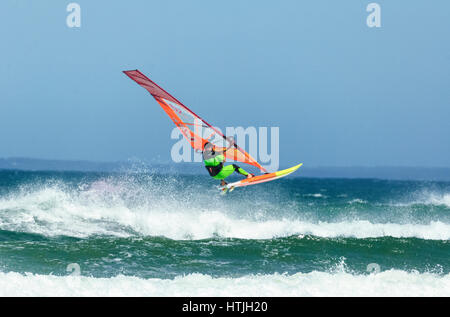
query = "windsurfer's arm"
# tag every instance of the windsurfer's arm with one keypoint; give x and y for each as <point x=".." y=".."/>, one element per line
<point x="222" y="152"/>
<point x="231" y="141"/>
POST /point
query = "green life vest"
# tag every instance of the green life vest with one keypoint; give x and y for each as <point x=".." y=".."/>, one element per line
<point x="214" y="164"/>
<point x="214" y="161"/>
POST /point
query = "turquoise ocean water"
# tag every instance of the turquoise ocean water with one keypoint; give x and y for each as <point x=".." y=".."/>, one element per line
<point x="145" y="234"/>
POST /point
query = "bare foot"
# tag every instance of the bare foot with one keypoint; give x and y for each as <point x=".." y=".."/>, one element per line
<point x="250" y="175"/>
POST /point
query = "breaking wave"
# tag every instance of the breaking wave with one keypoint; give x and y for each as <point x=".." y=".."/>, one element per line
<point x="125" y="209"/>
<point x="386" y="283"/>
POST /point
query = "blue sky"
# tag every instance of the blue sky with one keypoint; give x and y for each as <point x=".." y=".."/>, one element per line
<point x="342" y="93"/>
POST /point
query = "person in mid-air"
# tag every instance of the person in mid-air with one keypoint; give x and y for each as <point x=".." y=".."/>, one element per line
<point x="214" y="159"/>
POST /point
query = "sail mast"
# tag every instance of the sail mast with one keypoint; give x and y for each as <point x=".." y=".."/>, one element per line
<point x="176" y="111"/>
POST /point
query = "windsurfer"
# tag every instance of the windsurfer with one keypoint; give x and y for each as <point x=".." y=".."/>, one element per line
<point x="214" y="159"/>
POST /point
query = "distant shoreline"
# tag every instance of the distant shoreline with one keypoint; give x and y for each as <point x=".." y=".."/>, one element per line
<point x="381" y="172"/>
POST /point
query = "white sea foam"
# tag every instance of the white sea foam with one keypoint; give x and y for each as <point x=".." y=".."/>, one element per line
<point x="54" y="211"/>
<point x="386" y="283"/>
<point x="357" y="201"/>
<point x="426" y="198"/>
<point x="437" y="199"/>
<point x="316" y="195"/>
<point x="110" y="208"/>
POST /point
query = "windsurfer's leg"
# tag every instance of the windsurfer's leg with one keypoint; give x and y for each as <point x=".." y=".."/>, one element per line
<point x="225" y="172"/>
<point x="242" y="171"/>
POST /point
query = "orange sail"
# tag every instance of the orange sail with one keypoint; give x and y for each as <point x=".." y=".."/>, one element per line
<point x="196" y="130"/>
